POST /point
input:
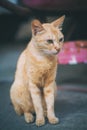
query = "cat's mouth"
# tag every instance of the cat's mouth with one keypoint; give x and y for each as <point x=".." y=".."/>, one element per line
<point x="55" y="53"/>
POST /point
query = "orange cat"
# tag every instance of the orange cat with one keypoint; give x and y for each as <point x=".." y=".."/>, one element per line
<point x="33" y="89"/>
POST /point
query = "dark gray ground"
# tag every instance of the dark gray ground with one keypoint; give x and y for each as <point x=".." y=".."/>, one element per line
<point x="70" y="106"/>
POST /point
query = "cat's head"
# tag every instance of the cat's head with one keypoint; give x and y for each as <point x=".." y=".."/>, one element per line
<point x="48" y="36"/>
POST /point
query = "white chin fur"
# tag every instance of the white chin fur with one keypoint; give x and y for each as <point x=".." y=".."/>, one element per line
<point x="50" y="52"/>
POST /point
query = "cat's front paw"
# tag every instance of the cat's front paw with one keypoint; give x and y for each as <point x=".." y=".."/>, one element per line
<point x="40" y="122"/>
<point x="29" y="117"/>
<point x="54" y="120"/>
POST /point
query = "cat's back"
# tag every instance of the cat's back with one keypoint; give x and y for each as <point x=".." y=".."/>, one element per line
<point x="20" y="70"/>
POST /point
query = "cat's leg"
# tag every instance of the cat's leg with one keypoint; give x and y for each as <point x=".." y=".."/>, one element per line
<point x="36" y="97"/>
<point x="21" y="110"/>
<point x="21" y="101"/>
<point x="15" y="98"/>
<point x="44" y="106"/>
<point x="49" y="93"/>
<point x="28" y="117"/>
<point x="17" y="108"/>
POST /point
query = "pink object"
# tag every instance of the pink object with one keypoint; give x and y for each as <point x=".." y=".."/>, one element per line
<point x="73" y="53"/>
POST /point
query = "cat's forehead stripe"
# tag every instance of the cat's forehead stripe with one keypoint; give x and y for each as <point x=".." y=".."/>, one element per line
<point x="51" y="36"/>
<point x="52" y="32"/>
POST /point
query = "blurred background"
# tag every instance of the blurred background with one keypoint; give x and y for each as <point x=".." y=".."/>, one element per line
<point x="15" y="33"/>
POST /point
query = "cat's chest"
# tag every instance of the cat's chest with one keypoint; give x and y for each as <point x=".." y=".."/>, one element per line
<point x="41" y="69"/>
<point x="41" y="73"/>
<point x="45" y="68"/>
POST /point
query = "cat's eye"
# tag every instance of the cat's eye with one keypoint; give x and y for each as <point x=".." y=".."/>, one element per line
<point x="50" y="41"/>
<point x="61" y="39"/>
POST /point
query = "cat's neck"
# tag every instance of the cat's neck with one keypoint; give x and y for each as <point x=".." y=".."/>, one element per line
<point x="33" y="50"/>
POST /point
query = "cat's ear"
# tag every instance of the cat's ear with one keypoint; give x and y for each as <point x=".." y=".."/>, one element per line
<point x="59" y="22"/>
<point x="36" y="27"/>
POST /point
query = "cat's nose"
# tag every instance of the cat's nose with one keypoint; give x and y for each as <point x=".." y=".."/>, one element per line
<point x="57" y="48"/>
